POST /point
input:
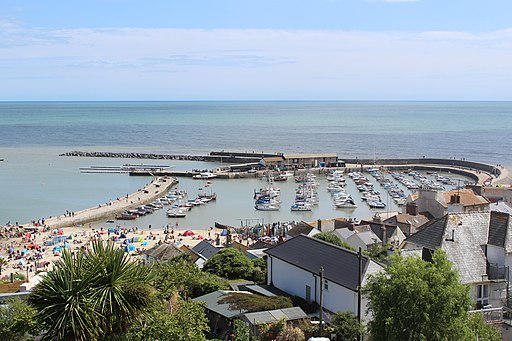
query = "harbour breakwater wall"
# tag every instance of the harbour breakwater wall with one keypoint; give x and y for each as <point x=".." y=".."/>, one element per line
<point x="213" y="157"/>
<point x="156" y="189"/>
<point x="493" y="170"/>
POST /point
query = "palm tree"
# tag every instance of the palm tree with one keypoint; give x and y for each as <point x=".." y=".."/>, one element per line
<point x="92" y="295"/>
<point x="3" y="263"/>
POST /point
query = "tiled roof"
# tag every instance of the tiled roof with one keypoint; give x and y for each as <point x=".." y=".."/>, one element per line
<point x="271" y="316"/>
<point x="205" y="249"/>
<point x="341" y="266"/>
<point x="343" y="233"/>
<point x="163" y="251"/>
<point x="461" y="236"/>
<point x="212" y="303"/>
<point x="300" y="228"/>
<point x="467" y="197"/>
<point x="430" y="235"/>
<point x="498" y="229"/>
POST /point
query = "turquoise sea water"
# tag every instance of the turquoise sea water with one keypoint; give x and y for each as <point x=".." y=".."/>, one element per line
<point x="35" y="182"/>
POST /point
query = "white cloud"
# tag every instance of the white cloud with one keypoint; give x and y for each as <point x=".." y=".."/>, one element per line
<point x="221" y="64"/>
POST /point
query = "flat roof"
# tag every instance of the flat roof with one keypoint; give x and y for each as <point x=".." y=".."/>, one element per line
<point x="309" y="156"/>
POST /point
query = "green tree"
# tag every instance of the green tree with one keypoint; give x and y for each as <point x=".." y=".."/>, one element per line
<point x="180" y="275"/>
<point x="229" y="263"/>
<point x="418" y="300"/>
<point x="92" y="295"/>
<point x="183" y="321"/>
<point x="259" y="274"/>
<point x="333" y="239"/>
<point x="478" y="329"/>
<point x="240" y="331"/>
<point x="17" y="320"/>
<point x="346" y="326"/>
<point x="379" y="253"/>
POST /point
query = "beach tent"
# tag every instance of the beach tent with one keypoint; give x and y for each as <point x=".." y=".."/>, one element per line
<point x="145" y="243"/>
<point x="122" y="236"/>
<point x="57" y="248"/>
<point x="224" y="233"/>
<point x="188" y="233"/>
<point x="137" y="239"/>
<point x="21" y="262"/>
<point x="130" y="248"/>
<point x="49" y="242"/>
<point x="200" y="237"/>
<point x="24" y="251"/>
<point x="113" y="230"/>
<point x="70" y="237"/>
<point x="60" y="232"/>
<point x="127" y="241"/>
<point x="66" y="245"/>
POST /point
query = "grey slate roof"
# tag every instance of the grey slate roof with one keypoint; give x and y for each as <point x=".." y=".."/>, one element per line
<point x="498" y="228"/>
<point x="163" y="251"/>
<point x="470" y="232"/>
<point x="343" y="233"/>
<point x="341" y="266"/>
<point x="205" y="249"/>
<point x="212" y="303"/>
<point x="271" y="316"/>
<point x="300" y="228"/>
<point x="430" y="235"/>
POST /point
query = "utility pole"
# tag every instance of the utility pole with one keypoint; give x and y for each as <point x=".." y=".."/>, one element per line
<point x="359" y="284"/>
<point x="321" y="327"/>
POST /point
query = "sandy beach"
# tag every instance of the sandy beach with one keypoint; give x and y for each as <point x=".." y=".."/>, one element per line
<point x="27" y="251"/>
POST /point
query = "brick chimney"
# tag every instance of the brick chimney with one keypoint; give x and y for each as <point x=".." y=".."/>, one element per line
<point x="319" y="224"/>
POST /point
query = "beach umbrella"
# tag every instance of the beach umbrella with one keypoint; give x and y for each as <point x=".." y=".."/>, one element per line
<point x="60" y="232"/>
<point x="188" y="233"/>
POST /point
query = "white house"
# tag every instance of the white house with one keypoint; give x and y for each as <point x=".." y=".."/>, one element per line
<point x="479" y="244"/>
<point x="294" y="267"/>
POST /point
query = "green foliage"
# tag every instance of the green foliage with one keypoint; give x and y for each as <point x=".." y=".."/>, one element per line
<point x="478" y="329"/>
<point x="270" y="331"/>
<point x="240" y="331"/>
<point x="308" y="308"/>
<point x="378" y="253"/>
<point x="346" y="326"/>
<point x="92" y="295"/>
<point x="183" y="321"/>
<point x="229" y="263"/>
<point x="249" y="302"/>
<point x="17" y="320"/>
<point x="333" y="239"/>
<point x="290" y="333"/>
<point x="418" y="300"/>
<point x="180" y="275"/>
<point x="259" y="274"/>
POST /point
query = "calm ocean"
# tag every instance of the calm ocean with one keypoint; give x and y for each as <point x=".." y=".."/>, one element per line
<point x="36" y="183"/>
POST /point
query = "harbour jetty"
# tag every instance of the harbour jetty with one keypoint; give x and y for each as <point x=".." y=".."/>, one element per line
<point x="156" y="189"/>
<point x="230" y="157"/>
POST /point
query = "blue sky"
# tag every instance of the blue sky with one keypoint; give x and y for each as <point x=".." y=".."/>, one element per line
<point x="266" y="49"/>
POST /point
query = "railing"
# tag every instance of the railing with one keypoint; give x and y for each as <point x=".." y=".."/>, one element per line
<point x="495" y="315"/>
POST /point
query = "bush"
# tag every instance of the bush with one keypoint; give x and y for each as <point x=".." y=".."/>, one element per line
<point x="229" y="263"/>
<point x="249" y="302"/>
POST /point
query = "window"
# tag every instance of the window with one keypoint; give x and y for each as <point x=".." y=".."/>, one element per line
<point x="482" y="295"/>
<point x="308" y="294"/>
<point x="326" y="284"/>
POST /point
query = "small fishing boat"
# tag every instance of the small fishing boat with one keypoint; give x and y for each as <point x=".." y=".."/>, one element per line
<point x="176" y="213"/>
<point x="204" y="176"/>
<point x="126" y="216"/>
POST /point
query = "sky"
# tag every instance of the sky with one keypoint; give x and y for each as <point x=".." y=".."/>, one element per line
<point x="256" y="50"/>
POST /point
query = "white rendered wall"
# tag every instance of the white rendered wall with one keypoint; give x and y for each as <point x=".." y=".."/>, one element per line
<point x="293" y="281"/>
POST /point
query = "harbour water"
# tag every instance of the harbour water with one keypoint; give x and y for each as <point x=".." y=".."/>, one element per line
<point x="37" y="183"/>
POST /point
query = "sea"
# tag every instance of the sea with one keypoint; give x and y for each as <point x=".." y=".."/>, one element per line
<point x="35" y="182"/>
